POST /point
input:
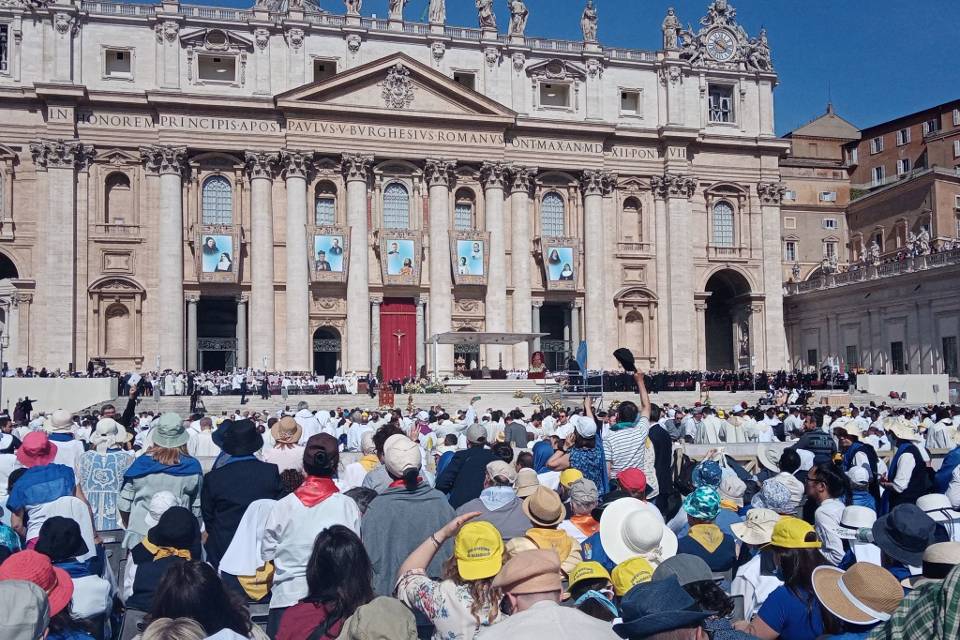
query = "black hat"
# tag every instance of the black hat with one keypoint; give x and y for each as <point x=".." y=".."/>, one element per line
<point x="654" y="607"/>
<point x="60" y="539"/>
<point x="240" y="438"/>
<point x="905" y="533"/>
<point x="625" y="358"/>
<point x="177" y="528"/>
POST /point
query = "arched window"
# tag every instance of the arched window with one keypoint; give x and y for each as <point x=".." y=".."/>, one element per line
<point x="118" y="199"/>
<point x="396" y="206"/>
<point x="325" y="211"/>
<point x="463" y="213"/>
<point x="632" y="221"/>
<point x="552" y="211"/>
<point x="117" y="339"/>
<point x="723" y="224"/>
<point x="633" y="331"/>
<point x="217" y="201"/>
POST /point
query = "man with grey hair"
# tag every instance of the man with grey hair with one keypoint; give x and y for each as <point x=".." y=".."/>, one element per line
<point x="307" y="421"/>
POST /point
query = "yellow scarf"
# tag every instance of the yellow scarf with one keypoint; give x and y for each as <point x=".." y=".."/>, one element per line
<point x="708" y="535"/>
<point x="554" y="539"/>
<point x="729" y="504"/>
<point x="257" y="586"/>
<point x="159" y="553"/>
<point x="369" y="462"/>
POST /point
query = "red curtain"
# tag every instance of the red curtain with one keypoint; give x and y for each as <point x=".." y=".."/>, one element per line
<point x="398" y="338"/>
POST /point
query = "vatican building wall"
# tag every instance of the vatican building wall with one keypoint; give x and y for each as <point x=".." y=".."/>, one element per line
<point x="284" y="188"/>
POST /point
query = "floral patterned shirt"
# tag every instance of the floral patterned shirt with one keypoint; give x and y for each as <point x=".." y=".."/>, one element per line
<point x="445" y="603"/>
<point x="101" y="476"/>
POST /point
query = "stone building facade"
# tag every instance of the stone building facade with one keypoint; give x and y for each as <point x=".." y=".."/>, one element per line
<point x="283" y="188"/>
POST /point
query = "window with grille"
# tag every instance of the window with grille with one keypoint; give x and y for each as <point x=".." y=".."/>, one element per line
<point x="4" y="48"/>
<point x="552" y="214"/>
<point x="326" y="210"/>
<point x="396" y="206"/>
<point x="217" y="201"/>
<point x="463" y="216"/>
<point x="790" y="252"/>
<point x="721" y="104"/>
<point x="723" y="224"/>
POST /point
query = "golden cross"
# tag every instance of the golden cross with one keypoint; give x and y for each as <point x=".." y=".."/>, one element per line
<point x="398" y="334"/>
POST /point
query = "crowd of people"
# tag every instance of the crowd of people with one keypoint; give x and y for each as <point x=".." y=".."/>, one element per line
<point x="430" y="523"/>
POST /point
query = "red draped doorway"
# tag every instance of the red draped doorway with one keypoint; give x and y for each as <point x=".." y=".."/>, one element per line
<point x="398" y="338"/>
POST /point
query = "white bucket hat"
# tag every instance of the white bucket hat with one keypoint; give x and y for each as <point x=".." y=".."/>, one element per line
<point x="630" y="527"/>
<point x="757" y="528"/>
<point x="60" y="421"/>
<point x="853" y="519"/>
<point x="158" y="505"/>
<point x="938" y="507"/>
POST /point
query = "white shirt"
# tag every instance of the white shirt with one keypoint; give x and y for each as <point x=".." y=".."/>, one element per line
<point x="68" y="452"/>
<point x="905" y="466"/>
<point x="91" y="597"/>
<point x="827" y="521"/>
<point x="953" y="489"/>
<point x="288" y="540"/>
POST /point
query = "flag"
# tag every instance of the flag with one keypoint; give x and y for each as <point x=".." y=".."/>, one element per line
<point x="582" y="356"/>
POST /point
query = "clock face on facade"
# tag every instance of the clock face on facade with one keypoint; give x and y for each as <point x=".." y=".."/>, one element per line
<point x="721" y="45"/>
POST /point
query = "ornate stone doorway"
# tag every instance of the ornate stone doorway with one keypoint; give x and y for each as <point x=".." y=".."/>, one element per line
<point x="326" y="351"/>
<point x="727" y="322"/>
<point x="217" y="334"/>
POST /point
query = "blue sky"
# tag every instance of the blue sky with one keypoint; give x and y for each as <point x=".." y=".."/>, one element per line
<point x="879" y="59"/>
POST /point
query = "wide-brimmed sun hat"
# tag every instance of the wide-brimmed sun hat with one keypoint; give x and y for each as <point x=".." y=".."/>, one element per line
<point x="35" y="567"/>
<point x="904" y="534"/>
<point x="109" y="433"/>
<point x="769" y="456"/>
<point x="170" y="432"/>
<point x="938" y="561"/>
<point x="938" y="507"/>
<point x="242" y="439"/>
<point x="853" y="519"/>
<point x="651" y="608"/>
<point x="60" y="422"/>
<point x="776" y="496"/>
<point x="27" y="611"/>
<point x="703" y="503"/>
<point x="286" y="431"/>
<point x="526" y="483"/>
<point x="631" y="527"/>
<point x="757" y="527"/>
<point x="36" y="450"/>
<point x="902" y="428"/>
<point x="544" y="508"/>
<point x="863" y="595"/>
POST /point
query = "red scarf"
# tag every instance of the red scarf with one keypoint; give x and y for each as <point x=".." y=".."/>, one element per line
<point x="400" y="483"/>
<point x="315" y="490"/>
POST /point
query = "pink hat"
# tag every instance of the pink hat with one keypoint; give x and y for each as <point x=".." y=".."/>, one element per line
<point x="36" y="450"/>
<point x="35" y="567"/>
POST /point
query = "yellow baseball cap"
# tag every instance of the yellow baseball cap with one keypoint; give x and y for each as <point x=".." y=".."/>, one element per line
<point x="569" y="476"/>
<point x="791" y="533"/>
<point x="479" y="551"/>
<point x="589" y="570"/>
<point x="630" y="573"/>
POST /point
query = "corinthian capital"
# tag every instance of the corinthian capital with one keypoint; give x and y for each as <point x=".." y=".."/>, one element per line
<point x="493" y="174"/>
<point x="164" y="160"/>
<point x="521" y="178"/>
<point x="597" y="183"/>
<point x="261" y="164"/>
<point x="356" y="166"/>
<point x="296" y="164"/>
<point x="672" y="185"/>
<point x="439" y="173"/>
<point x="61" y="154"/>
<point x="771" y="192"/>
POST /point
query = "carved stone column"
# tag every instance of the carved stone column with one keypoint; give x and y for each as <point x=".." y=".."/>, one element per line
<point x="297" y="165"/>
<point x="494" y="175"/>
<point x="242" y="331"/>
<point x="356" y="169"/>
<point x="439" y="176"/>
<point x="659" y="188"/>
<point x="574" y="327"/>
<point x="261" y="168"/>
<point x="170" y="164"/>
<point x="678" y="191"/>
<point x="595" y="184"/>
<point x="66" y="25"/>
<point x="534" y="314"/>
<point x="701" y="309"/>
<point x="56" y="281"/>
<point x="521" y="181"/>
<point x="375" y="303"/>
<point x="192" y="300"/>
<point x="771" y="195"/>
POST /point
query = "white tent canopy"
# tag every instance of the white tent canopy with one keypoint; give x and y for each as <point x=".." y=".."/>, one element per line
<point x="477" y="337"/>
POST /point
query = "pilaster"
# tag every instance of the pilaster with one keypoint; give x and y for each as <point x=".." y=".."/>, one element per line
<point x="356" y="172"/>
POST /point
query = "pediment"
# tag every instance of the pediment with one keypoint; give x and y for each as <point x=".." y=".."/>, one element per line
<point x="399" y="86"/>
<point x="118" y="157"/>
<point x="8" y="153"/>
<point x="557" y="70"/>
<point x="216" y="40"/>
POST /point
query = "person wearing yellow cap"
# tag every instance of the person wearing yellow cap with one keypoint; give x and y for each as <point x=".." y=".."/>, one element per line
<point x="630" y="573"/>
<point x="463" y="602"/>
<point x="569" y="476"/>
<point x="591" y="591"/>
<point x="791" y="610"/>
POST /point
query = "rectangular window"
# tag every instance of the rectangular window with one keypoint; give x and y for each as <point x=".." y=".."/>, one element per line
<point x="789" y="195"/>
<point x="828" y="196"/>
<point x="853" y="357"/>
<point x="829" y="250"/>
<point x="896" y="357"/>
<point x="950" y="366"/>
<point x="630" y="103"/>
<point x="876" y="144"/>
<point x="790" y="251"/>
<point x="554" y="95"/>
<point x="789" y="222"/>
<point x="903" y="137"/>
<point x="812" y="359"/>
<point x="217" y="68"/>
<point x="956" y="117"/>
<point x="323" y="69"/>
<point x="721" y="103"/>
<point x="463" y="216"/>
<point x="931" y="126"/>
<point x="878" y="176"/>
<point x="118" y="63"/>
<point x="903" y="166"/>
<point x="829" y="223"/>
<point x="956" y="148"/>
<point x="4" y="48"/>
<point x="466" y="78"/>
<point x="853" y="155"/>
<point x="325" y="213"/>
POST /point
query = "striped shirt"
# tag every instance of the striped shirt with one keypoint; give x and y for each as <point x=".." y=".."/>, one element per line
<point x="626" y="448"/>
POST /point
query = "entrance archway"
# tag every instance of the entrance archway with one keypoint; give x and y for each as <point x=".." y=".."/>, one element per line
<point x="326" y="351"/>
<point x="217" y="333"/>
<point x="727" y="321"/>
<point x="466" y="357"/>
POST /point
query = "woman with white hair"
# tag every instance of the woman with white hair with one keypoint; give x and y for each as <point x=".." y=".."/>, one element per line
<point x="100" y="472"/>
